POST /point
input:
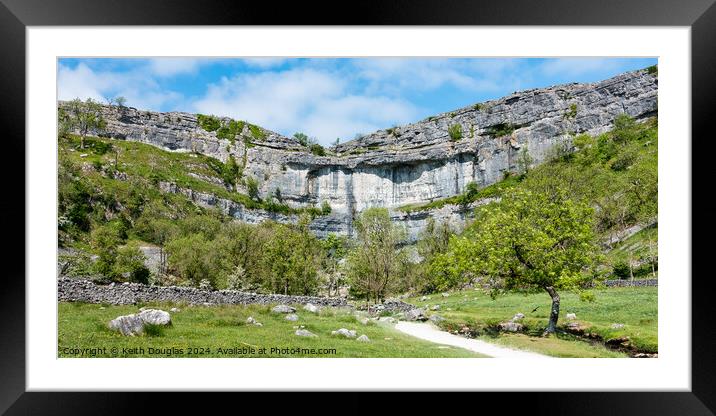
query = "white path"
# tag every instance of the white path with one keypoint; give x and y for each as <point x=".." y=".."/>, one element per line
<point x="431" y="333"/>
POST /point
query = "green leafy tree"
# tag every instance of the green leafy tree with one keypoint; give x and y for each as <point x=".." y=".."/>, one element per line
<point x="84" y="117"/>
<point x="130" y="263"/>
<point x="301" y="138"/>
<point x="252" y="186"/>
<point x="191" y="257"/>
<point x="375" y="262"/>
<point x="531" y="241"/>
<point x="105" y="240"/>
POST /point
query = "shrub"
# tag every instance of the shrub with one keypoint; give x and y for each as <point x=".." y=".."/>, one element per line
<point x="205" y="284"/>
<point x="502" y="129"/>
<point x="317" y="149"/>
<point x="455" y="132"/>
<point x="325" y="208"/>
<point x="208" y="123"/>
<point x="235" y="280"/>
<point x="252" y="186"/>
<point x="572" y="111"/>
<point x="301" y="138"/>
<point x="129" y="264"/>
<point x="257" y="132"/>
<point x="652" y="69"/>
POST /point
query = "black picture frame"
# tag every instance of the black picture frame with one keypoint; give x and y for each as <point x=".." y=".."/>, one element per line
<point x="16" y="15"/>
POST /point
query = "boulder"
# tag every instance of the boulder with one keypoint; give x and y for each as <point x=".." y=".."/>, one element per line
<point x="436" y="318"/>
<point x="511" y="326"/>
<point x="345" y="333"/>
<point x="251" y="321"/>
<point x="311" y="308"/>
<point x="283" y="309"/>
<point x="445" y="294"/>
<point x="292" y="317"/>
<point x="617" y="326"/>
<point x="416" y="314"/>
<point x="518" y="317"/>
<point x="127" y="325"/>
<point x="155" y="317"/>
<point x="571" y="316"/>
<point x="363" y="338"/>
<point x="305" y="333"/>
<point x="435" y="308"/>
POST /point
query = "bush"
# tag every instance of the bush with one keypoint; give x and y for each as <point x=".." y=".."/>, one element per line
<point x="252" y="186"/>
<point x="257" y="132"/>
<point x="317" y="149"/>
<point x="129" y="264"/>
<point x="325" y="208"/>
<point x="500" y="130"/>
<point x="455" y="132"/>
<point x="208" y="123"/>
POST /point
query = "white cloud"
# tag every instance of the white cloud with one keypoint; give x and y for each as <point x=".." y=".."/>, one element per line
<point x="137" y="86"/>
<point x="318" y="103"/>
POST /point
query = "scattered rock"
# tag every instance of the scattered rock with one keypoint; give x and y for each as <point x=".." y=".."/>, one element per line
<point x="311" y="308"/>
<point x="511" y="326"/>
<point x="305" y="333"/>
<point x="251" y="321"/>
<point x="283" y="309"/>
<point x="445" y="294"/>
<point x="362" y="320"/>
<point x="174" y="310"/>
<point x="363" y="338"/>
<point x="436" y="318"/>
<point x="518" y="317"/>
<point x="423" y="298"/>
<point x="416" y="314"/>
<point x="617" y="326"/>
<point x="435" y="308"/>
<point x="345" y="333"/>
<point x="571" y="316"/>
<point x="292" y="317"/>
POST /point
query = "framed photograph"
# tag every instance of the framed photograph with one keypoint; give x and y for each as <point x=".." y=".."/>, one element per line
<point x="471" y="200"/>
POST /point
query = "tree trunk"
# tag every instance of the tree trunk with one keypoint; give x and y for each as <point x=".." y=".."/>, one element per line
<point x="554" y="313"/>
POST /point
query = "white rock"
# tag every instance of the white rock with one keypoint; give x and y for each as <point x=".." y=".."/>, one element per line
<point x="511" y="326"/>
<point x="155" y="317"/>
<point x="518" y="317"/>
<point x="424" y="298"/>
<point x="571" y="316"/>
<point x="311" y="308"/>
<point x="436" y="318"/>
<point x="292" y="317"/>
<point x="416" y="314"/>
<point x="283" y="309"/>
<point x="250" y="320"/>
<point x="305" y="333"/>
<point x="445" y="294"/>
<point x="174" y="310"/>
<point x="363" y="338"/>
<point x="345" y="333"/>
<point x="617" y="326"/>
<point x="435" y="308"/>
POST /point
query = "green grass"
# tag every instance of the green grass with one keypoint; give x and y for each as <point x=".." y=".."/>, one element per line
<point x="211" y="327"/>
<point x="635" y="246"/>
<point x="635" y="307"/>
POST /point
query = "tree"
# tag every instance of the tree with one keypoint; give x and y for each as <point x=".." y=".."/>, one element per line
<point x="253" y="188"/>
<point x="524" y="161"/>
<point x="531" y="241"/>
<point x="375" y="262"/>
<point x="130" y="263"/>
<point x="104" y="241"/>
<point x="301" y="138"/>
<point x="191" y="257"/>
<point x="120" y="101"/>
<point x="85" y="117"/>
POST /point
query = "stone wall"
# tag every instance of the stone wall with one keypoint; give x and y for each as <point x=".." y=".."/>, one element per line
<point x="635" y="283"/>
<point x="78" y="290"/>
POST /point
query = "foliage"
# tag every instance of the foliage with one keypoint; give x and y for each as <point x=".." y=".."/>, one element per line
<point x="301" y="138"/>
<point x="654" y="69"/>
<point x="317" y="149"/>
<point x="83" y="117"/>
<point x="252" y="186"/>
<point x="455" y="132"/>
<point x="325" y="207"/>
<point x="129" y="263"/>
<point x="208" y="123"/>
<point x="501" y="130"/>
<point x="256" y="132"/>
<point x="572" y="112"/>
<point x="374" y="263"/>
<point x="229" y="130"/>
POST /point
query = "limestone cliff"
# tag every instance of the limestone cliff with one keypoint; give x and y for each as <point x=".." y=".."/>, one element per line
<point x="411" y="164"/>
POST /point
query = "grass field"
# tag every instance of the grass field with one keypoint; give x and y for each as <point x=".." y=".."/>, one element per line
<point x="634" y="307"/>
<point x="200" y="331"/>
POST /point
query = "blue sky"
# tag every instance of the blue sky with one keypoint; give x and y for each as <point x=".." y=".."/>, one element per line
<point x="324" y="98"/>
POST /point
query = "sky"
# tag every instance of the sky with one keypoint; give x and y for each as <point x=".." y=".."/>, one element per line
<point x="325" y="98"/>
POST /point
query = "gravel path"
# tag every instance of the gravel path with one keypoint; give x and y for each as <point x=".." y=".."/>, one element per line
<point x="431" y="333"/>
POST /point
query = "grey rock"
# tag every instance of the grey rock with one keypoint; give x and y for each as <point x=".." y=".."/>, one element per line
<point x="518" y="317"/>
<point x="344" y="333"/>
<point x="174" y="310"/>
<point x="435" y="308"/>
<point x="127" y="325"/>
<point x="416" y="314"/>
<point x="617" y="326"/>
<point x="387" y="319"/>
<point x="305" y="333"/>
<point x="283" y="309"/>
<point x="363" y="338"/>
<point x="155" y="317"/>
<point x="571" y="316"/>
<point x="311" y="308"/>
<point x="436" y="318"/>
<point x="292" y="317"/>
<point x="511" y="326"/>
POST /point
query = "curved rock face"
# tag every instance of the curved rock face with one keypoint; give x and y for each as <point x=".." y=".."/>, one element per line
<point x="411" y="164"/>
